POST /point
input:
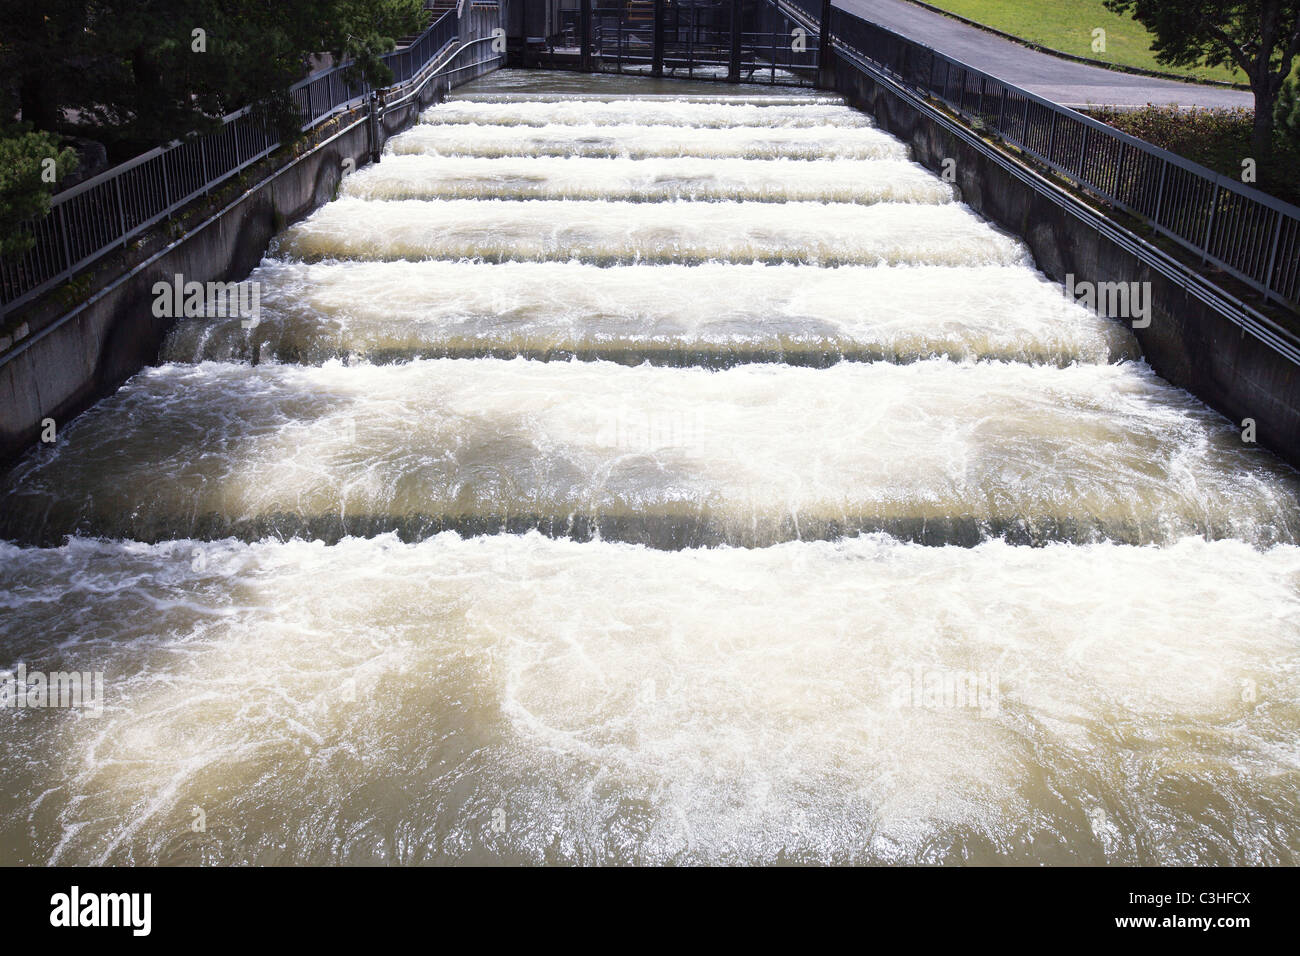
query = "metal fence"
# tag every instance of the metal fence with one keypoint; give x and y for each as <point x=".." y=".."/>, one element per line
<point x="698" y="42"/>
<point x="92" y="218"/>
<point x="1247" y="233"/>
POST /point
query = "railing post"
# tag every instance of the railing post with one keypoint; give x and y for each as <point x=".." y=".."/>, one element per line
<point x="372" y="126"/>
<point x="1272" y="256"/>
<point x="1209" y="223"/>
<point x="1160" y="191"/>
<point x="167" y="192"/>
<point x="63" y="235"/>
<point x="584" y="26"/>
<point x="733" y="66"/>
<point x="825" y="50"/>
<point x="657" y="66"/>
<point x="121" y="209"/>
<point x="774" y="54"/>
<point x="690" y="46"/>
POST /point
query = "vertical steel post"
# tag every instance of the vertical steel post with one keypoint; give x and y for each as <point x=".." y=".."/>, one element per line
<point x="1209" y="225"/>
<point x="584" y="26"/>
<point x="121" y="208"/>
<point x="733" y="67"/>
<point x="690" y="45"/>
<point x="1272" y="259"/>
<point x="825" y="50"/>
<point x="63" y="234"/>
<point x="1160" y="191"/>
<point x="657" y="66"/>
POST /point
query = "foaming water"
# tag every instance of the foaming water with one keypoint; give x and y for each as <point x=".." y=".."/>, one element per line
<point x="753" y="455"/>
<point x="645" y="112"/>
<point x="609" y="233"/>
<point x="711" y="314"/>
<point x="375" y="702"/>
<point x="1124" y="693"/>
<point x="642" y="142"/>
<point x="842" y="181"/>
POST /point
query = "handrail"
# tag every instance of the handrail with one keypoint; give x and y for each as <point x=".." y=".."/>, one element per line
<point x="1241" y="230"/>
<point x="1198" y="286"/>
<point x="88" y="220"/>
<point x="442" y="68"/>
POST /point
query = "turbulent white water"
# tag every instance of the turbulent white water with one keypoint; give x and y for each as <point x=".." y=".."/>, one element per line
<point x="653" y="112"/>
<point x="859" y="543"/>
<point x="668" y="456"/>
<point x="845" y="181"/>
<point x="381" y="702"/>
<point x="607" y="233"/>
<point x="642" y="142"/>
<point x="711" y="314"/>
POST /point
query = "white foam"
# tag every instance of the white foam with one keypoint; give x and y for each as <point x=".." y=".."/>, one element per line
<point x="713" y="313"/>
<point x="750" y="455"/>
<point x="379" y="702"/>
<point x="642" y="142"/>
<point x="643" y="112"/>
<point x="844" y="181"/>
<point x="608" y="233"/>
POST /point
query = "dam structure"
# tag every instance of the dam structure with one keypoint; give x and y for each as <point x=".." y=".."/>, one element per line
<point x="652" y="471"/>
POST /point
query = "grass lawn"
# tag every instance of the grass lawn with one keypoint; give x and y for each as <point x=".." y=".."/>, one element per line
<point x="1067" y="25"/>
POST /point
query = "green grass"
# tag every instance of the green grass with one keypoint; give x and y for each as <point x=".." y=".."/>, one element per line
<point x="1067" y="25"/>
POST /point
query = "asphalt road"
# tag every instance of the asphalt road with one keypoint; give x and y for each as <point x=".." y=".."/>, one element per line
<point x="1063" y="81"/>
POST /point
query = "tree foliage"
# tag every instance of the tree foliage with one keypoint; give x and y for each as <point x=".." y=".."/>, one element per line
<point x="31" y="164"/>
<point x="134" y="74"/>
<point x="1259" y="37"/>
<point x="145" y="72"/>
<point x="1287" y="114"/>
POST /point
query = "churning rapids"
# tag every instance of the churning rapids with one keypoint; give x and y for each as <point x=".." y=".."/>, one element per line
<point x="667" y="478"/>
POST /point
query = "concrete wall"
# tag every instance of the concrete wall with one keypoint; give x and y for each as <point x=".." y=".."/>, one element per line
<point x="72" y="361"/>
<point x="1189" y="342"/>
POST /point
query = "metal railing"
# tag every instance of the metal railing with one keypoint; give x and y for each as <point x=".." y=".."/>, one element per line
<point x="697" y="42"/>
<point x="1243" y="231"/>
<point x="106" y="212"/>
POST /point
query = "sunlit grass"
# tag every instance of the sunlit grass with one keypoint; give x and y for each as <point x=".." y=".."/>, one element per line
<point x="1067" y="25"/>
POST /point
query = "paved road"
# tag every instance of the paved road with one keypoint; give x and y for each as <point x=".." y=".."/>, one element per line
<point x="1063" y="81"/>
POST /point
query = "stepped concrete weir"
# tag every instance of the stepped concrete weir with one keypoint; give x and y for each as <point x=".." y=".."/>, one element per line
<point x="654" y="474"/>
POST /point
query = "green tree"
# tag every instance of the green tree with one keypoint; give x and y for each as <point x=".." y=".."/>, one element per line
<point x="148" y="71"/>
<point x="1287" y="114"/>
<point x="135" y="74"/>
<point x="31" y="164"/>
<point x="1260" y="37"/>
